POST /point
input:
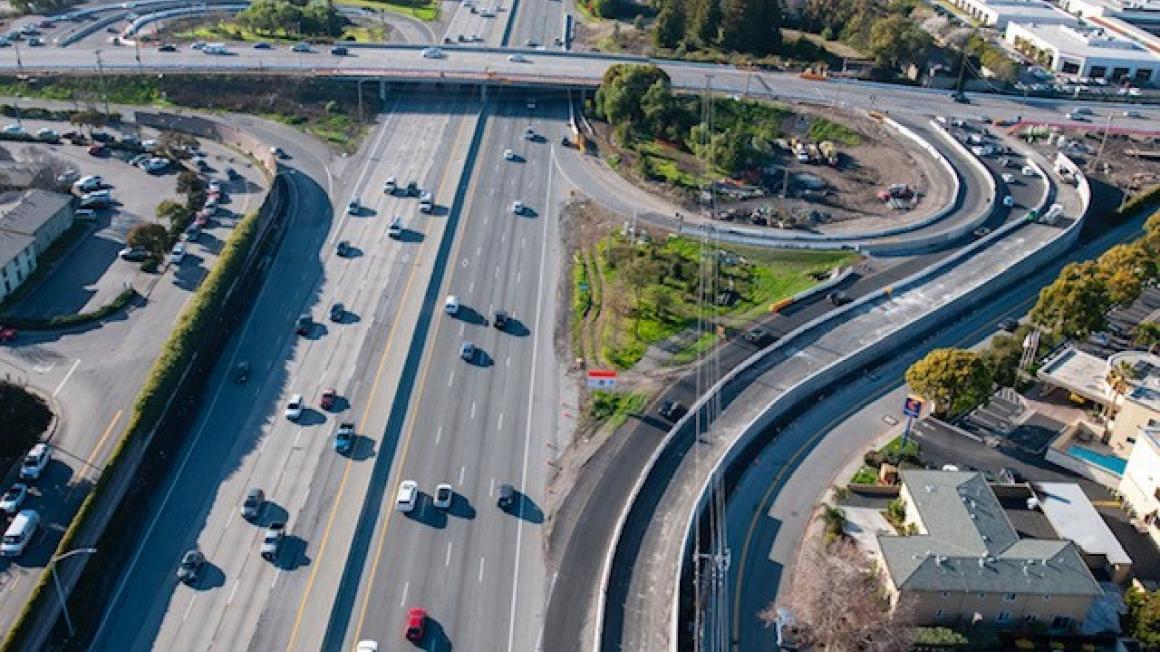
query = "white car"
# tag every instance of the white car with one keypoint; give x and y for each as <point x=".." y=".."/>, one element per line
<point x="149" y="144"/>
<point x="529" y="132"/>
<point x="367" y="646"/>
<point x="444" y="494"/>
<point x="518" y="207"/>
<point x="1008" y="177"/>
<point x="517" y="58"/>
<point x="451" y="304"/>
<point x="294" y="407"/>
<point x="89" y="183"/>
<point x="390" y="186"/>
<point x="68" y="176"/>
<point x="1131" y="114"/>
<point x="432" y="53"/>
<point x="395" y="229"/>
<point x="14" y="130"/>
<point x="407" y="497"/>
<point x="509" y="155"/>
<point x="177" y="254"/>
<point x="12" y="499"/>
<point x="35" y="461"/>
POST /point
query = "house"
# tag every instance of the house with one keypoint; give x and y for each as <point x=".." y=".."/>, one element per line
<point x="30" y="221"/>
<point x="965" y="562"/>
<point x="1140" y="486"/>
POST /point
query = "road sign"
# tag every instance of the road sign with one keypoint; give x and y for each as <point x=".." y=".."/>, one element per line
<point x="912" y="407"/>
<point x="601" y="379"/>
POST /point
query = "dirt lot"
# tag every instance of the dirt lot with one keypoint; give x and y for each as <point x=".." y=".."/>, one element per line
<point x="1127" y="160"/>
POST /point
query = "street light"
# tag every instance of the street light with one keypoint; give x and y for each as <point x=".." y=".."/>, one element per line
<point x="56" y="581"/>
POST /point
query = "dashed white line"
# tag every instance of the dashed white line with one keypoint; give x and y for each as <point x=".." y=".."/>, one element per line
<point x="438" y="434"/>
<point x="189" y="608"/>
<point x="499" y="426"/>
<point x="491" y="488"/>
<point x="497" y="271"/>
<point x="471" y="287"/>
<point x="66" y="377"/>
<point x="451" y="380"/>
<point x="507" y="361"/>
<point x="447" y="557"/>
<point x="462" y="472"/>
<point x="473" y="409"/>
<point x="523" y="243"/>
<point x="481" y="562"/>
<point x="479" y="251"/>
<point x="233" y="591"/>
<point x="276" y="576"/>
<point x="519" y="275"/>
<point x="406" y="585"/>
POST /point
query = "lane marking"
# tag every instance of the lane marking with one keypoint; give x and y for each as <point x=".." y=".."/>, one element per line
<point x="451" y="380"/>
<point x="481" y="563"/>
<point x="499" y="426"/>
<point x="473" y="409"/>
<point x="88" y="468"/>
<point x="447" y="557"/>
<point x="406" y="587"/>
<point x="438" y="434"/>
<point x="66" y="377"/>
<point x="462" y="472"/>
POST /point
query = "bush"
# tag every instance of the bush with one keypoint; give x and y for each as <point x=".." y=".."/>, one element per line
<point x="25" y="416"/>
<point x="75" y="319"/>
<point x="873" y="458"/>
<point x="938" y="636"/>
<point x="1145" y="198"/>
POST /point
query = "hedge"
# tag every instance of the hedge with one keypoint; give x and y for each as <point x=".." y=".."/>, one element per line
<point x="151" y="400"/>
<point x="74" y="319"/>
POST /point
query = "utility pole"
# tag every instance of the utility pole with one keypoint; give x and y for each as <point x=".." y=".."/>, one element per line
<point x="104" y="84"/>
<point x="1103" y="141"/>
<point x="19" y="62"/>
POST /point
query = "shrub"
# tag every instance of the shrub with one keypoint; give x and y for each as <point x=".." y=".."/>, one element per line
<point x="25" y="416"/>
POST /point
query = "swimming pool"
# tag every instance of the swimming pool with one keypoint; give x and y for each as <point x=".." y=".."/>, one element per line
<point x="1110" y="462"/>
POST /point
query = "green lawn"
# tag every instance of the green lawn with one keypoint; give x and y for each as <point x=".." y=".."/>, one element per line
<point x="865" y="475"/>
<point x="652" y="291"/>
<point x="426" y="10"/>
<point x="822" y="129"/>
<point x="613" y="408"/>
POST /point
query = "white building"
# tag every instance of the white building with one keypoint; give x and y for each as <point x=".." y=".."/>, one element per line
<point x="998" y="13"/>
<point x="29" y="223"/>
<point x="1140" y="486"/>
<point x="1084" y="51"/>
<point x="1136" y="12"/>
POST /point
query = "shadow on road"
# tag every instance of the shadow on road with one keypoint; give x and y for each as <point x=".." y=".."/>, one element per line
<point x="363" y="448"/>
<point x="436" y="639"/>
<point x="212" y="577"/>
<point x="523" y="507"/>
<point x="481" y="359"/>
<point x="516" y="327"/>
<point x="292" y="555"/>
<point x="427" y="514"/>
<point x="461" y="507"/>
<point x="470" y="315"/>
<point x="410" y="236"/>
<point x="271" y="513"/>
<point x="311" y="417"/>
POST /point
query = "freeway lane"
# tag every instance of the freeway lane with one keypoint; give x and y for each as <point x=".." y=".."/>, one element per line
<point x="478" y="570"/>
<point x="242" y="440"/>
<point x="767" y="511"/>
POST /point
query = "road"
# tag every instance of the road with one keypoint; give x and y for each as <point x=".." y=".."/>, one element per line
<point x="477" y="569"/>
<point x="241" y="439"/>
<point x="767" y="511"/>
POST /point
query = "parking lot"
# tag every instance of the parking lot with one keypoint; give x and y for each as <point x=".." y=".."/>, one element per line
<point x="90" y="274"/>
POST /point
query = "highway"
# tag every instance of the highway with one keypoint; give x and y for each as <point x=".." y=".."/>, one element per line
<point x="768" y="510"/>
<point x="241" y="439"/>
<point x="477" y="569"/>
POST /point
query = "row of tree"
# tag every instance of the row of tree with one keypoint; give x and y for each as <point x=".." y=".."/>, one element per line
<point x="749" y="26"/>
<point x="882" y="30"/>
<point x="1075" y="305"/>
<point x="315" y="18"/>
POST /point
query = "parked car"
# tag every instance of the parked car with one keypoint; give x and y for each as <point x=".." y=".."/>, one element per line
<point x="12" y="499"/>
<point x="133" y="254"/>
<point x="35" y="461"/>
<point x="177" y="254"/>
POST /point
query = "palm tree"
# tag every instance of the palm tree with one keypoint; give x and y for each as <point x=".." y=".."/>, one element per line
<point x="1120" y="378"/>
<point x="1147" y="334"/>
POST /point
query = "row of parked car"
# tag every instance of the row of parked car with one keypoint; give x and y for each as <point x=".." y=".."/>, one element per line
<point x="25" y="522"/>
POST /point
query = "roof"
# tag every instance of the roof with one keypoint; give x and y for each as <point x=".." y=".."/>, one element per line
<point x="11" y="244"/>
<point x="1079" y="372"/>
<point x="968" y="544"/>
<point x="1089" y="43"/>
<point x="25" y="212"/>
<point x="1075" y="518"/>
<point x="1145" y="388"/>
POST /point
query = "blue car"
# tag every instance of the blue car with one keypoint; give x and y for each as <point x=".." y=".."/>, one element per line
<point x="344" y="439"/>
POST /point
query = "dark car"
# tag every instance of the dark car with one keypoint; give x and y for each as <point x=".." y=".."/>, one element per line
<point x="190" y="566"/>
<point x="507" y="495"/>
<point x="1010" y="324"/>
<point x="412" y="189"/>
<point x="7" y="333"/>
<point x="839" y="298"/>
<point x="337" y="312"/>
<point x="339" y="51"/>
<point x="133" y="254"/>
<point x="961" y="98"/>
<point x="343" y="249"/>
<point x="305" y="322"/>
<point x="672" y="410"/>
<point x="757" y="335"/>
<point x="98" y="150"/>
<point x="501" y="319"/>
<point x="1008" y="475"/>
<point x="167" y="47"/>
<point x="102" y="137"/>
<point x="329" y="398"/>
<point x="252" y="506"/>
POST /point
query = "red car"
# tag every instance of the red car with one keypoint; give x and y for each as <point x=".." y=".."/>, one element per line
<point x="416" y="621"/>
<point x="7" y="334"/>
<point x="329" y="396"/>
<point x="96" y="150"/>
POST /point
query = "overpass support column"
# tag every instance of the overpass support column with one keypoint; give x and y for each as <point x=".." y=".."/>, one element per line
<point x="383" y="90"/>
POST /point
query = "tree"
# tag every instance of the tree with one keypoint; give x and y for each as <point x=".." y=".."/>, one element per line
<point x="169" y="211"/>
<point x="1075" y="304"/>
<point x="896" y="40"/>
<point x="25" y="416"/>
<point x="176" y="143"/>
<point x="1126" y="268"/>
<point x="837" y="604"/>
<point x="1120" y="379"/>
<point x="618" y="100"/>
<point x="955" y="380"/>
<point x="1147" y="334"/>
<point x="188" y="181"/>
<point x="752" y="26"/>
<point x="670" y="26"/>
<point x="658" y="108"/>
<point x="640" y="271"/>
<point x="1002" y="357"/>
<point x="153" y="238"/>
<point x="1143" y="619"/>
<point x="89" y="119"/>
<point x="705" y="21"/>
<point x="605" y="8"/>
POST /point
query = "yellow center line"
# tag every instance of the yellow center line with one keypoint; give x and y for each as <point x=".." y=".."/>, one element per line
<point x="101" y="442"/>
<point x="365" y="416"/>
<point x="427" y="357"/>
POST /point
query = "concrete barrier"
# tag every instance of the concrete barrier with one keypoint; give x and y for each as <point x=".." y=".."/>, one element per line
<point x="213" y="130"/>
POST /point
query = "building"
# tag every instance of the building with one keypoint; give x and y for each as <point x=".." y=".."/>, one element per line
<point x="997" y="13"/>
<point x="30" y="221"/>
<point x="1084" y="51"/>
<point x="965" y="562"/>
<point x="1140" y="485"/>
<point x="1073" y="517"/>
<point x="1142" y="13"/>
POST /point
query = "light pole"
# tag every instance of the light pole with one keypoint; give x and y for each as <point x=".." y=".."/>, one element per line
<point x="104" y="85"/>
<point x="56" y="581"/>
<point x="19" y="62"/>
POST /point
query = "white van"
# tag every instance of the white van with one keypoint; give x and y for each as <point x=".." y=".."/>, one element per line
<point x="35" y="461"/>
<point x="451" y="304"/>
<point x="20" y="533"/>
<point x="426" y="202"/>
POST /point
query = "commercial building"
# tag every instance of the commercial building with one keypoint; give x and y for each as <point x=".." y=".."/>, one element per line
<point x="965" y="562"/>
<point x="1084" y="51"/>
<point x="998" y="13"/>
<point x="30" y="222"/>
<point x="1143" y="13"/>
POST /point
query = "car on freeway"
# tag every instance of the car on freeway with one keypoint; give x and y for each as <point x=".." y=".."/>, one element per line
<point x="517" y="58"/>
<point x="190" y="566"/>
<point x="532" y="43"/>
<point x="395" y="228"/>
<point x="12" y="499"/>
<point x="272" y="541"/>
<point x="344" y="438"/>
<point x="451" y="304"/>
<point x="672" y="410"/>
<point x="390" y="186"/>
<point x="1132" y="114"/>
<point x="757" y="335"/>
<point x="198" y="45"/>
<point x="1009" y="324"/>
<point x="426" y="202"/>
<point x="367" y="646"/>
<point x="7" y="333"/>
<point x="35" y="461"/>
<point x="339" y="51"/>
<point x="252" y="505"/>
<point x="529" y="132"/>
<point x="981" y="232"/>
<point x="177" y="254"/>
<point x="352" y="207"/>
<point x="444" y="494"/>
<point x="337" y="312"/>
<point x="407" y="496"/>
<point x="501" y="319"/>
<point x="304" y="324"/>
<point x="509" y="155"/>
<point x="432" y="53"/>
<point x="262" y="45"/>
<point x="329" y="398"/>
<point x="343" y="249"/>
<point x="300" y="48"/>
<point x="416" y="624"/>
<point x="467" y="351"/>
<point x="517" y="207"/>
<point x="133" y="254"/>
<point x="412" y="189"/>
<point x="242" y="372"/>
<point x="506" y="496"/>
<point x="839" y="298"/>
<point x="294" y="407"/>
<point x="278" y="152"/>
